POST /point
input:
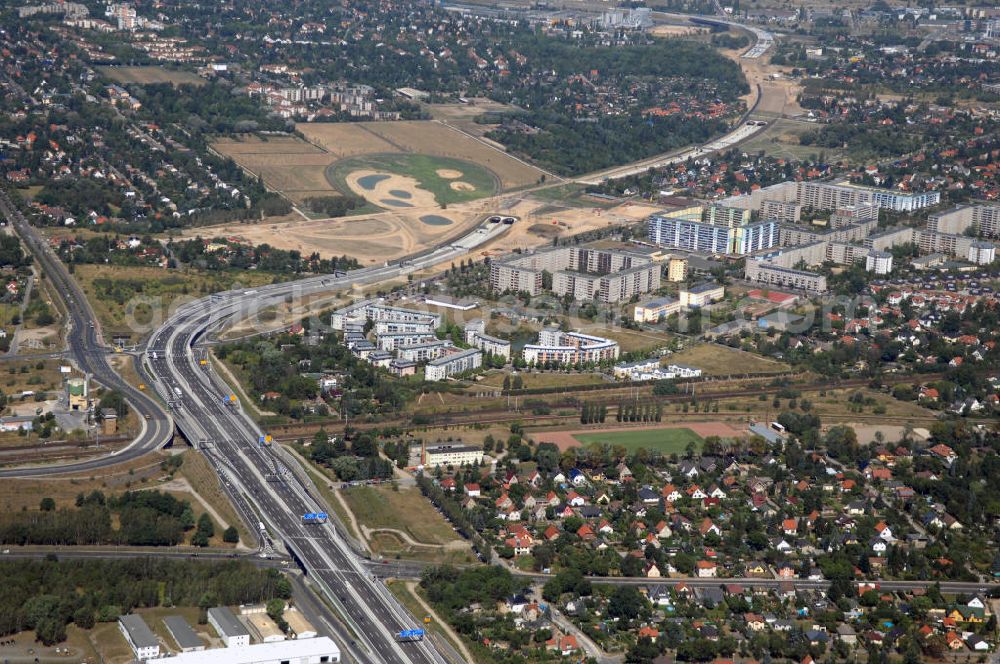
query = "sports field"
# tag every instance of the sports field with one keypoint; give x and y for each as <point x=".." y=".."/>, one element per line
<point x="665" y="441"/>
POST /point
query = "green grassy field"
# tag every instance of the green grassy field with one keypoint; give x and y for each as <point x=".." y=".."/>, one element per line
<point x="405" y="510"/>
<point x="665" y="441"/>
<point x="421" y="168"/>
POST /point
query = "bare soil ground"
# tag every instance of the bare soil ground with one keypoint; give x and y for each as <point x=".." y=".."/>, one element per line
<point x="151" y="74"/>
<point x="677" y="31"/>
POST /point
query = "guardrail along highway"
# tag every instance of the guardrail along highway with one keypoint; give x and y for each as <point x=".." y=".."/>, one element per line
<point x="203" y="410"/>
<point x="88" y="352"/>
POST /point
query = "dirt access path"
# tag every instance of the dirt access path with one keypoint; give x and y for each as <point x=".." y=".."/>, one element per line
<point x="411" y="586"/>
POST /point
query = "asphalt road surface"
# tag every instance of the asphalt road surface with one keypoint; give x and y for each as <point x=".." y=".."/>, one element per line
<point x="200" y="404"/>
<point x="90" y="357"/>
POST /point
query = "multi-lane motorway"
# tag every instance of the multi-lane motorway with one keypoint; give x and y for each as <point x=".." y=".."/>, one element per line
<point x="201" y="407"/>
<point x="89" y="354"/>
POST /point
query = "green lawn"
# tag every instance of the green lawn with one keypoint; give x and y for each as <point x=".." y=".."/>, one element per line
<point x="665" y="441"/>
<point x="423" y="169"/>
<point x="406" y="510"/>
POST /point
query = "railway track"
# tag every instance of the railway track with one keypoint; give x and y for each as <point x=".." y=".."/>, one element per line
<point x="488" y="416"/>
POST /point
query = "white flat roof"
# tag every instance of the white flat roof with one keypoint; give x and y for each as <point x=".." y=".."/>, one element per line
<point x="261" y="653"/>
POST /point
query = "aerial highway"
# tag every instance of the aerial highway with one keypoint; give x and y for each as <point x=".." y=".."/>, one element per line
<point x="89" y="355"/>
<point x="211" y="420"/>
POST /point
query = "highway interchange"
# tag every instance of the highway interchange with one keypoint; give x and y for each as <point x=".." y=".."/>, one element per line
<point x="90" y="357"/>
<point x="202" y="409"/>
<point x="263" y="484"/>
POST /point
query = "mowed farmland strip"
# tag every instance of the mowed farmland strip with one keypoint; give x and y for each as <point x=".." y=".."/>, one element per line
<point x="344" y="139"/>
<point x="269" y="145"/>
<point x="433" y="138"/>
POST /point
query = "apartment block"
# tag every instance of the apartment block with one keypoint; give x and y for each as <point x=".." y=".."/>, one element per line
<point x="376" y="312"/>
<point x="677" y="269"/>
<point x="695" y="229"/>
<point x="834" y="196"/>
<point x="984" y="218"/>
<point x="424" y="351"/>
<point x="392" y="342"/>
<point x="769" y="274"/>
<point x="879" y="262"/>
<point x="557" y="347"/>
<point x="585" y="273"/>
<point x="702" y="294"/>
<point x="450" y="363"/>
<point x="781" y="211"/>
<point x="795" y="235"/>
<point x="652" y="311"/>
<point x="890" y="237"/>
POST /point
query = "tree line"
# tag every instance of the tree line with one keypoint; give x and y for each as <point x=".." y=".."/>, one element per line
<point x="145" y="518"/>
<point x="47" y="595"/>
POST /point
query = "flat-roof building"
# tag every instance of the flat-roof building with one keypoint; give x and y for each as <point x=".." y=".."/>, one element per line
<point x="557" y="347"/>
<point x="584" y="272"/>
<point x="448" y="454"/>
<point x="298" y="626"/>
<point x="182" y="633"/>
<point x="763" y="272"/>
<point x="453" y="363"/>
<point x="320" y="650"/>
<point x="230" y="629"/>
<point x="140" y="637"/>
<point x="714" y="229"/>
<point x="652" y="311"/>
<point x="702" y="294"/>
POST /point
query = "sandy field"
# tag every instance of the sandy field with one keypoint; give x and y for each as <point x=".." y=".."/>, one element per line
<point x="676" y="31"/>
<point x="371" y="239"/>
<point x="462" y="186"/>
<point x="151" y="74"/>
<point x="390" y="188"/>
<point x="564" y="439"/>
<point x="271" y="145"/>
<point x="448" y="173"/>
<point x="391" y="234"/>
<point x="345" y="139"/>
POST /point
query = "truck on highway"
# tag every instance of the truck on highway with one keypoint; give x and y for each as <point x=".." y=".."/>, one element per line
<point x="314" y="518"/>
<point x="408" y="635"/>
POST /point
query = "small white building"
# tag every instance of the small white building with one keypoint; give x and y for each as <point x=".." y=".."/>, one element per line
<point x="227" y="625"/>
<point x="140" y="637"/>
<point x="879" y="262"/>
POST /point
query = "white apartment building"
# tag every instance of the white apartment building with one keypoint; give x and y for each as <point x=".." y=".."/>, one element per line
<point x="451" y="454"/>
<point x="449" y="364"/>
<point x="557" y="347"/>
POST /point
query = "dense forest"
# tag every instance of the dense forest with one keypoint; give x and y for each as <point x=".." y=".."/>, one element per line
<point x="145" y="518"/>
<point x="641" y="76"/>
<point x="46" y="595"/>
<point x="263" y="257"/>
